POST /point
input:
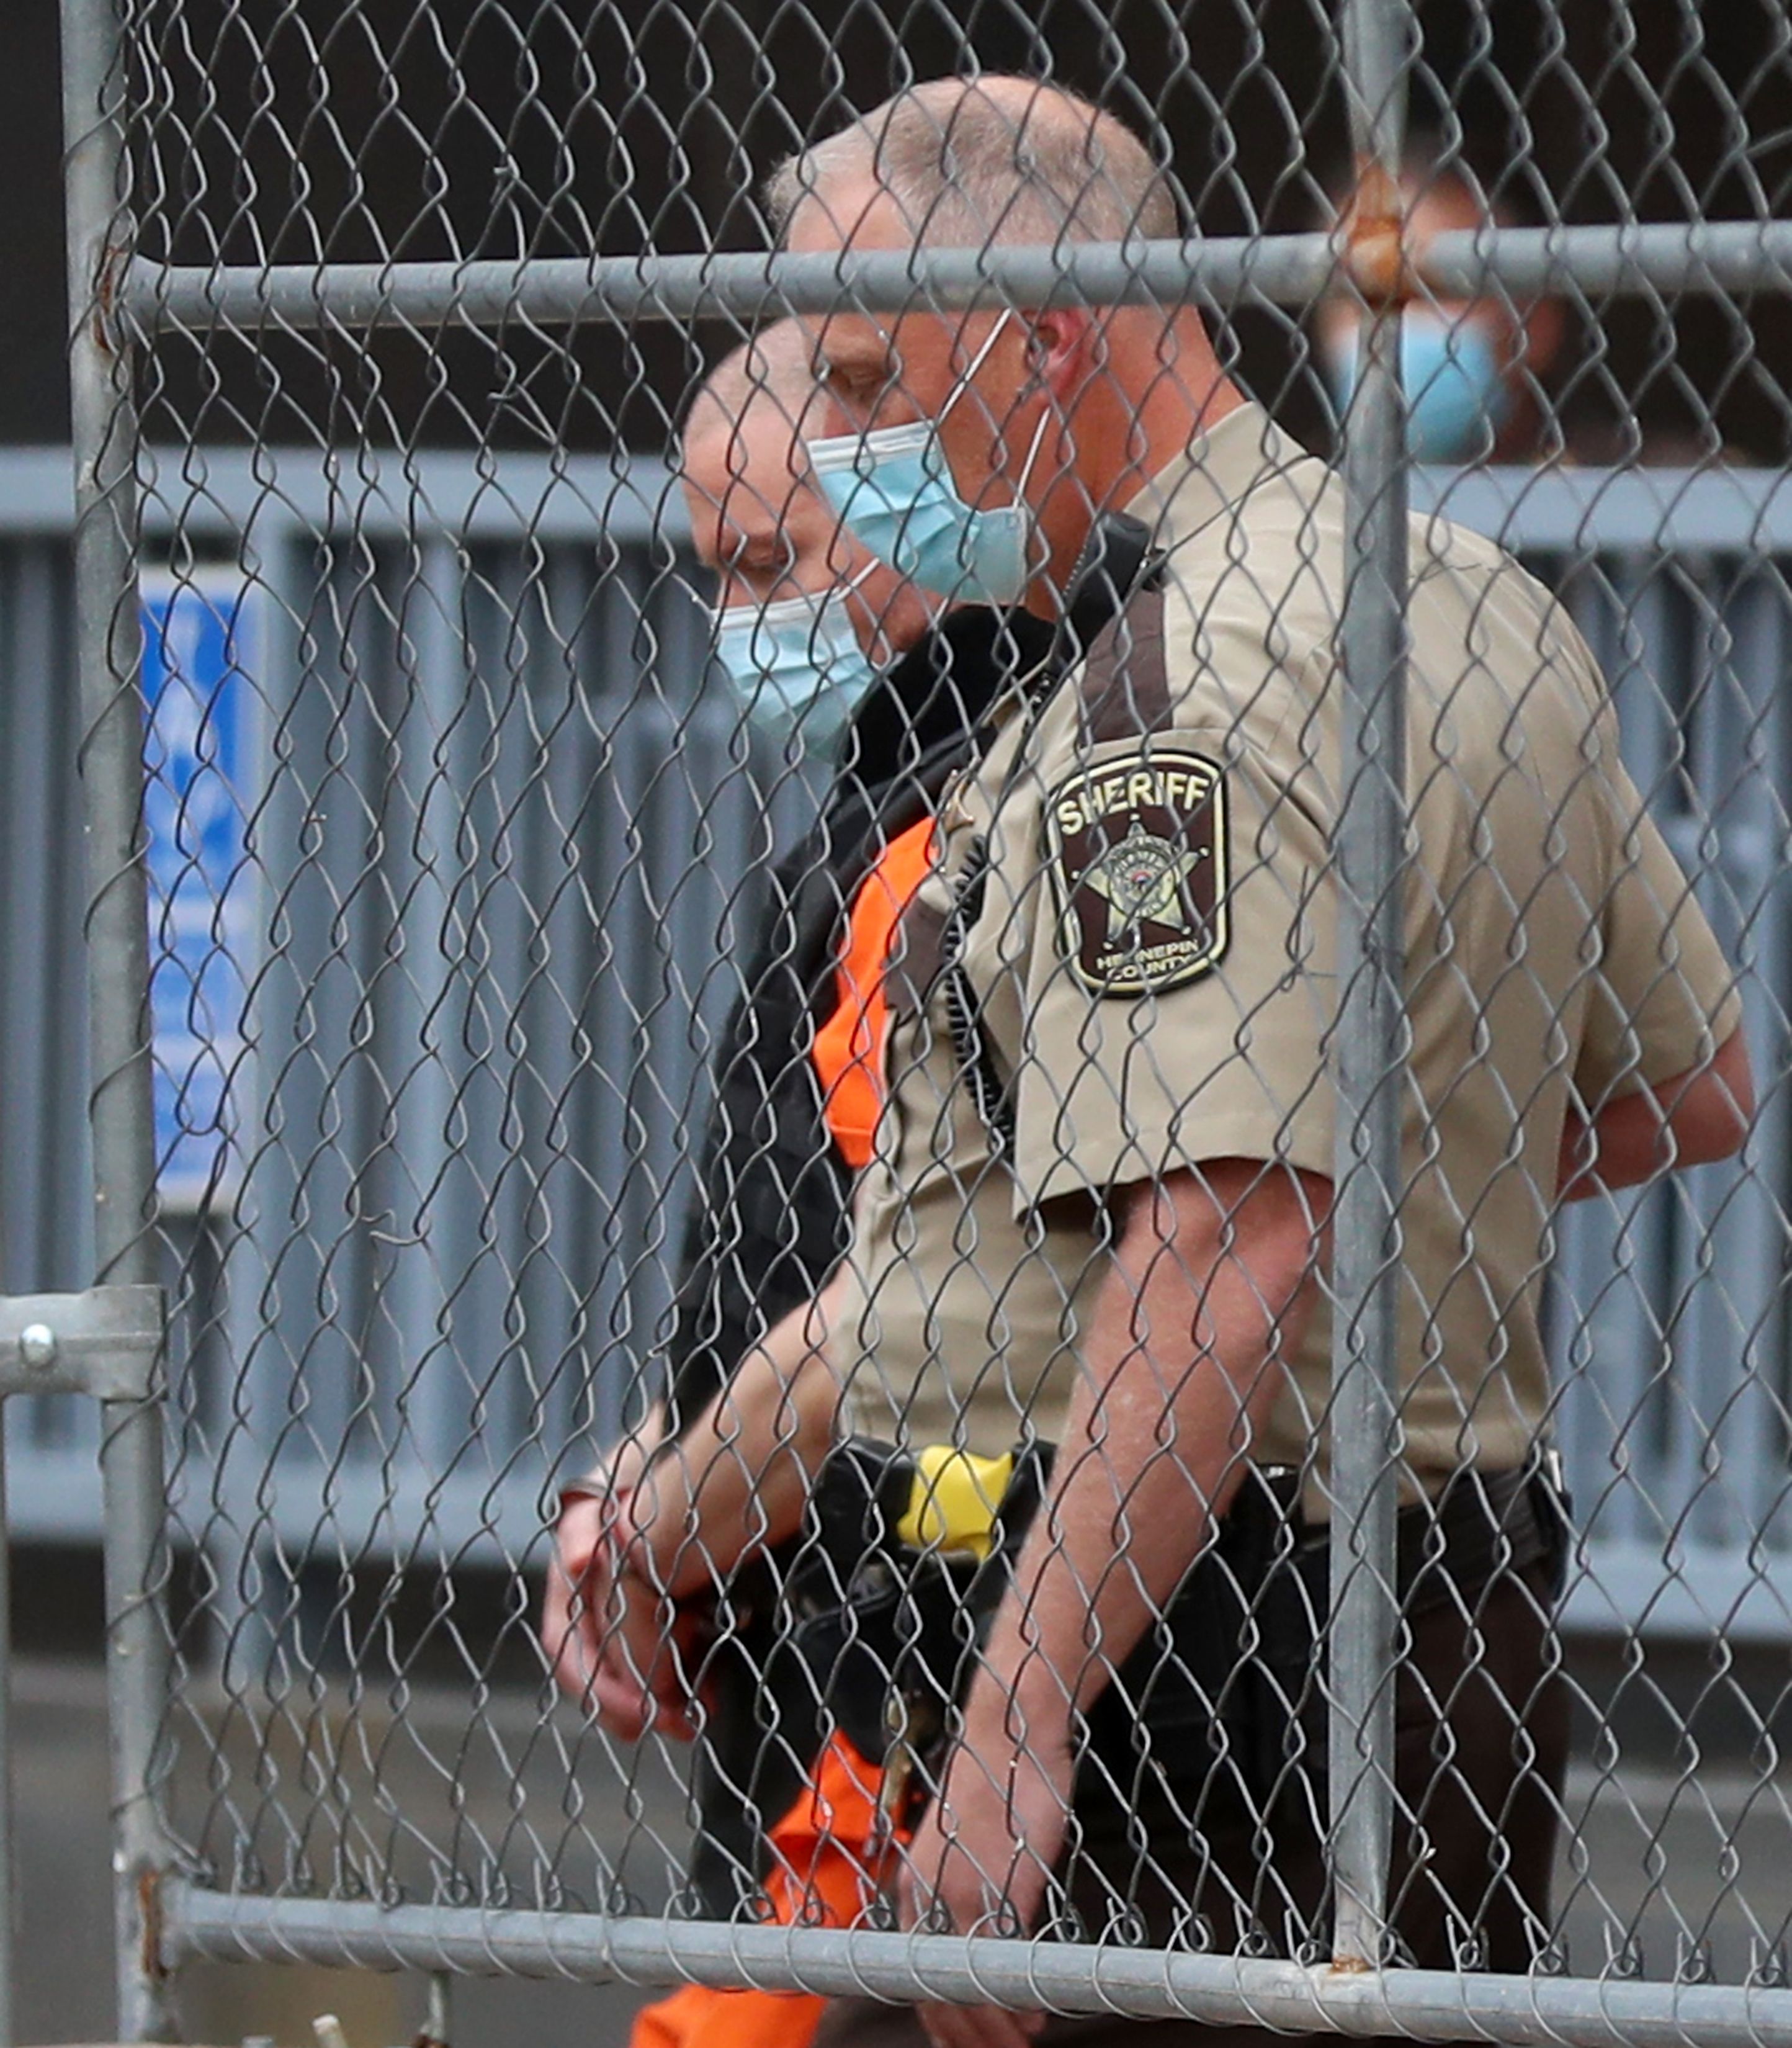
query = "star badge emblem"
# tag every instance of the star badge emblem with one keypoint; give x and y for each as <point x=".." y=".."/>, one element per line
<point x="1141" y="880"/>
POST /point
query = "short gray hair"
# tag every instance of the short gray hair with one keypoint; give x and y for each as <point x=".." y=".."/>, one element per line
<point x="997" y="159"/>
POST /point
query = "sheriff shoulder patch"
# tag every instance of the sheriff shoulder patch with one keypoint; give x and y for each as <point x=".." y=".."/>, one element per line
<point x="1138" y="845"/>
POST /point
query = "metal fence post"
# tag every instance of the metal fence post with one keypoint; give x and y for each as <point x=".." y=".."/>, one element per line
<point x="107" y="634"/>
<point x="1369" y="1058"/>
<point x="9" y="1868"/>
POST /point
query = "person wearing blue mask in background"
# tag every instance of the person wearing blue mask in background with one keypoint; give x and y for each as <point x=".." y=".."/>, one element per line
<point x="1475" y="371"/>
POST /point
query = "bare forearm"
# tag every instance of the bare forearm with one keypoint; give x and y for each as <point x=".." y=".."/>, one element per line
<point x="737" y="1480"/>
<point x="1146" y="1480"/>
<point x="1182" y="1365"/>
<point x="1697" y="1116"/>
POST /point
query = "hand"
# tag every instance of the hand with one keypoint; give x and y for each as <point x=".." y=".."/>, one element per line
<point x="984" y="1851"/>
<point x="616" y="1645"/>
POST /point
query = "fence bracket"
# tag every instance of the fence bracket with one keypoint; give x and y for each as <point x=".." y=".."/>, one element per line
<point x="103" y="1342"/>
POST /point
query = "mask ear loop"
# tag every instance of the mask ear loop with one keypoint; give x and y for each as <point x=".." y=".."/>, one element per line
<point x="1032" y="528"/>
<point x="779" y="609"/>
<point x="1038" y="440"/>
<point x="834" y="599"/>
<point x="1033" y="453"/>
<point x="975" y="364"/>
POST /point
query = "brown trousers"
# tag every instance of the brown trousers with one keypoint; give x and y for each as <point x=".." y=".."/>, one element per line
<point x="1481" y="1740"/>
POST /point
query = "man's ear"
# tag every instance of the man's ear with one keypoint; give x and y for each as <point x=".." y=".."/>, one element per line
<point x="1059" y="344"/>
<point x="1545" y="324"/>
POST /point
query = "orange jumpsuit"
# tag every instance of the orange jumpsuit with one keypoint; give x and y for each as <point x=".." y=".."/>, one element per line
<point x="829" y="1850"/>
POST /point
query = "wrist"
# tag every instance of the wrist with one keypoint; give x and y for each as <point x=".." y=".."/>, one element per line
<point x="598" y="1489"/>
<point x="632" y="1556"/>
<point x="616" y="1479"/>
<point x="654" y="1529"/>
<point x="617" y="1528"/>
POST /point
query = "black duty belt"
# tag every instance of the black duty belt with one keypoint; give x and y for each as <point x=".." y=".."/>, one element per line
<point x="889" y="1598"/>
<point x="850" y="1626"/>
<point x="1483" y="1524"/>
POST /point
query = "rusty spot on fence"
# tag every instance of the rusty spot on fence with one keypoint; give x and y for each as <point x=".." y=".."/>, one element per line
<point x="1374" y="256"/>
<point x="108" y="298"/>
<point x="149" y="1909"/>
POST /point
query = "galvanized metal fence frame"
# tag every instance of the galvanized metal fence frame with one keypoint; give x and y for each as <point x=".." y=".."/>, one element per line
<point x="103" y="436"/>
<point x="161" y="1919"/>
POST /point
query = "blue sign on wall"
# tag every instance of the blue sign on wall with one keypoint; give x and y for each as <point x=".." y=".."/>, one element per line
<point x="202" y="639"/>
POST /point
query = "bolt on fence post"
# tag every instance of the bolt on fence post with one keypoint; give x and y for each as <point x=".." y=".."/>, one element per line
<point x="1370" y="1051"/>
<point x="108" y="632"/>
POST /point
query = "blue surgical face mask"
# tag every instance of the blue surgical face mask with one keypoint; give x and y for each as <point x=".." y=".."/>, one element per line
<point x="1456" y="400"/>
<point x="893" y="492"/>
<point x="796" y="664"/>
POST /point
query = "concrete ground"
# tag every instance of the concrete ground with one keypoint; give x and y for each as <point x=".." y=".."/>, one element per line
<point x="1673" y="1858"/>
<point x="63" y="1950"/>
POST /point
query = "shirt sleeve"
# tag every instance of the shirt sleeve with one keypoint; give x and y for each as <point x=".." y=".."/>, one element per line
<point x="1181" y="976"/>
<point x="1663" y="997"/>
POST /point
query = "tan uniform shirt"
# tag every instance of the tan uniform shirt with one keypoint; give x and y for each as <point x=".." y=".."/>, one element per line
<point x="1154" y="956"/>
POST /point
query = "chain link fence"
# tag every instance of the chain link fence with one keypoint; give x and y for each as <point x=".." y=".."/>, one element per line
<point x="469" y="864"/>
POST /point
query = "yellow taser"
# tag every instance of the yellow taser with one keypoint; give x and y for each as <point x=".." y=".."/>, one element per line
<point x="953" y="1500"/>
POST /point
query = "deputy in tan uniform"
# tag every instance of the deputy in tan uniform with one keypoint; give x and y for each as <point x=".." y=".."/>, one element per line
<point x="1098" y="1208"/>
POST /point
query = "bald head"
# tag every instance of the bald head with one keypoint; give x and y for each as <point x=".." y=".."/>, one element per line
<point x="996" y="159"/>
<point x="758" y="521"/>
<point x="769" y="376"/>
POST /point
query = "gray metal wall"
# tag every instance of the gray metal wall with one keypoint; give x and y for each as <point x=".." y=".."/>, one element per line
<point x="1668" y="1310"/>
<point x="503" y="857"/>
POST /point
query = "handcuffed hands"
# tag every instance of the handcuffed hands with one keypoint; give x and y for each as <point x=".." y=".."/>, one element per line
<point x="617" y="1644"/>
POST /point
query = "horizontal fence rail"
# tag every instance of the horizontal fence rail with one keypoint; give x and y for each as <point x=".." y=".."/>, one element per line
<point x="1428" y="2005"/>
<point x="1287" y="270"/>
